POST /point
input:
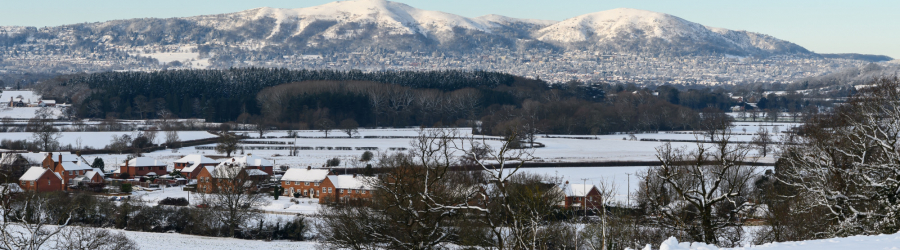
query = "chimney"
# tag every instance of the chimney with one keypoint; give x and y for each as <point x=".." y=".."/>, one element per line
<point x="308" y="167"/>
<point x="60" y="158"/>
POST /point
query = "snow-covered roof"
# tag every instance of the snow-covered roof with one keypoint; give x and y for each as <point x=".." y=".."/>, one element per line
<point x="196" y="159"/>
<point x="34" y="173"/>
<point x="68" y="166"/>
<point x="143" y="162"/>
<point x="91" y="174"/>
<point x="351" y="182"/>
<point x="38" y="158"/>
<point x="304" y="175"/>
<point x="253" y="172"/>
<point x="100" y="172"/>
<point x="252" y="161"/>
<point x="578" y="190"/>
<point x="34" y="158"/>
<point x="49" y="101"/>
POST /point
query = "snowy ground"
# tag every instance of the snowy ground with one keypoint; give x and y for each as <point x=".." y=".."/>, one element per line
<point x="284" y="204"/>
<point x="23" y="112"/>
<point x="559" y="148"/>
<point x="891" y="241"/>
<point x="26" y="94"/>
<point x="98" y="140"/>
<point x="166" y="241"/>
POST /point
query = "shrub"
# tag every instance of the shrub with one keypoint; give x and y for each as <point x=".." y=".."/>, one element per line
<point x="172" y="201"/>
<point x="126" y="188"/>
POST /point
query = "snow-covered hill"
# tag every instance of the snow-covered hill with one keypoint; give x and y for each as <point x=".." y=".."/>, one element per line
<point x="624" y="29"/>
<point x="355" y="18"/>
<point x="358" y="25"/>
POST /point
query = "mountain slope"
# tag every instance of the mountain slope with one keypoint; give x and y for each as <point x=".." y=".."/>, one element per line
<point x="632" y="29"/>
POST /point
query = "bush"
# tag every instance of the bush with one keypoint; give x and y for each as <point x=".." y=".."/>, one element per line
<point x="334" y="162"/>
<point x="126" y="188"/>
<point x="172" y="201"/>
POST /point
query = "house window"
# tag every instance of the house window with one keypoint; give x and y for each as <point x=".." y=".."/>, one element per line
<point x="329" y="190"/>
<point x="357" y="191"/>
<point x="340" y="190"/>
<point x="306" y="183"/>
<point x="324" y="190"/>
<point x="317" y="184"/>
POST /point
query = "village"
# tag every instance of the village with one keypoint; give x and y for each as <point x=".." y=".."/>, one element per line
<point x="200" y="174"/>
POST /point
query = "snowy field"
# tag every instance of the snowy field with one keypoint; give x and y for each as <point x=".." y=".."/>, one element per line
<point x="98" y="140"/>
<point x="23" y="112"/>
<point x="167" y="241"/>
<point x="26" y="94"/>
<point x="306" y="206"/>
<point x="162" y="241"/>
<point x="559" y="148"/>
<point x="886" y="242"/>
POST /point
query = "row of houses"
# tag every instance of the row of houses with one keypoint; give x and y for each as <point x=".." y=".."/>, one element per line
<point x="62" y="171"/>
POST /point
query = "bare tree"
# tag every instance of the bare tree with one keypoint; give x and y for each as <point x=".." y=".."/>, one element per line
<point x="261" y="126"/>
<point x="83" y="238"/>
<point x="172" y="138"/>
<point x="325" y="125"/>
<point x="27" y="223"/>
<point x="513" y="207"/>
<point x="119" y="143"/>
<point x="228" y="143"/>
<point x="596" y="236"/>
<point x="151" y="134"/>
<point x="350" y="127"/>
<point x="415" y="201"/>
<point x="700" y="192"/>
<point x="234" y="199"/>
<point x="44" y="133"/>
<point x="846" y="166"/>
<point x="763" y="141"/>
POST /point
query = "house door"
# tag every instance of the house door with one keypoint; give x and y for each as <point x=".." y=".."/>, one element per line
<point x="291" y="193"/>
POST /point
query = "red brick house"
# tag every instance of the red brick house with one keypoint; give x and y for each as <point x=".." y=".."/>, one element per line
<point x="304" y="181"/>
<point x="581" y="195"/>
<point x="142" y="166"/>
<point x="68" y="170"/>
<point x="213" y="179"/>
<point x="343" y="188"/>
<point x="39" y="179"/>
<point x="190" y="165"/>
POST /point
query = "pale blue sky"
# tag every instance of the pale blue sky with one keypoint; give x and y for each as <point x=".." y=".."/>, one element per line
<point x="824" y="26"/>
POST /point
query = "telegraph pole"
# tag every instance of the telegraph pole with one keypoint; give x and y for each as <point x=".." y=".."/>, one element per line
<point x="628" y="198"/>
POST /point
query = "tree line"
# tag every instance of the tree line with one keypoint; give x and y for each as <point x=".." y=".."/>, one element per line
<point x="315" y="99"/>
